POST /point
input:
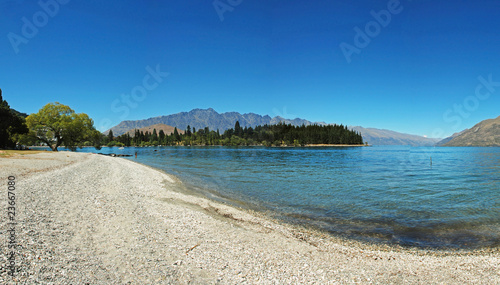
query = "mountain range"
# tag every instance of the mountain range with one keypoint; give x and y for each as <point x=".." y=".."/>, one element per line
<point x="168" y="130"/>
<point x="386" y="137"/>
<point x="446" y="140"/>
<point x="201" y="118"/>
<point x="485" y="133"/>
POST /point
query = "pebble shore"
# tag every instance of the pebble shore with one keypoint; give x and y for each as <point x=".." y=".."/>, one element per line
<point x="90" y="219"/>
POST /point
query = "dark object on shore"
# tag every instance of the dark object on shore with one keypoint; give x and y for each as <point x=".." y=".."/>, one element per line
<point x="116" y="155"/>
<point x="21" y="147"/>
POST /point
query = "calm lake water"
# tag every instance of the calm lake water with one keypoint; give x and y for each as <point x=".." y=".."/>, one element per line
<point x="380" y="194"/>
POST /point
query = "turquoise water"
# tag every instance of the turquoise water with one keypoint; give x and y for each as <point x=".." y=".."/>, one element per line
<point x="390" y="195"/>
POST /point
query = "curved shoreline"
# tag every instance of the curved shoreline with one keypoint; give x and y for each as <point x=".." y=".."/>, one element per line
<point x="89" y="218"/>
<point x="440" y="238"/>
<point x="311" y="229"/>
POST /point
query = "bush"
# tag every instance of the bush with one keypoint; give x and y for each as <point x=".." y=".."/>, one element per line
<point x="226" y="142"/>
<point x="236" y="141"/>
<point x="266" y="143"/>
<point x="143" y="144"/>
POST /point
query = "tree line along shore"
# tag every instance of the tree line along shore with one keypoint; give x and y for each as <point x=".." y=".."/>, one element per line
<point x="266" y="135"/>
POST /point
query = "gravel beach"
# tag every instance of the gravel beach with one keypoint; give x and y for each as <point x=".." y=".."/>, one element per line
<point x="91" y="219"/>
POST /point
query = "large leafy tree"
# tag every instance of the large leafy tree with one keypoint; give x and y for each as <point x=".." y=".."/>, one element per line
<point x="12" y="124"/>
<point x="58" y="125"/>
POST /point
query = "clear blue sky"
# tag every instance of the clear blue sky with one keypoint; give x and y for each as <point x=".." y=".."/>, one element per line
<point x="276" y="57"/>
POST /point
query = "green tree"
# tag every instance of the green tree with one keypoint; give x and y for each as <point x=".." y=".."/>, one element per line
<point x="237" y="129"/>
<point x="177" y="137"/>
<point x="154" y="137"/>
<point x="161" y="136"/>
<point x="56" y="124"/>
<point x="11" y="125"/>
<point x="110" y="136"/>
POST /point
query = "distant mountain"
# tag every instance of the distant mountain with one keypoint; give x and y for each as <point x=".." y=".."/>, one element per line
<point x="485" y="133"/>
<point x="201" y="118"/>
<point x="446" y="140"/>
<point x="386" y="137"/>
<point x="168" y="130"/>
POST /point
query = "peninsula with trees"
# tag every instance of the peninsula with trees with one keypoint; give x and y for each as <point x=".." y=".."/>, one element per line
<point x="280" y="134"/>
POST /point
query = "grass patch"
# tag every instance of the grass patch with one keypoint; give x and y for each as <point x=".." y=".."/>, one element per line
<point x="11" y="153"/>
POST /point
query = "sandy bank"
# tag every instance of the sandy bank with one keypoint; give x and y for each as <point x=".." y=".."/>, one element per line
<point x="85" y="218"/>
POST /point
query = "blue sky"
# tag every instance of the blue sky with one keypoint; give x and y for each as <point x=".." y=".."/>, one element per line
<point x="416" y="69"/>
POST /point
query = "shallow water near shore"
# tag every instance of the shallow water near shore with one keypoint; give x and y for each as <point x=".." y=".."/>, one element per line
<point x="410" y="196"/>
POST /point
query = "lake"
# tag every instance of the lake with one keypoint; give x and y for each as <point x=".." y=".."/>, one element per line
<point x="411" y="196"/>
